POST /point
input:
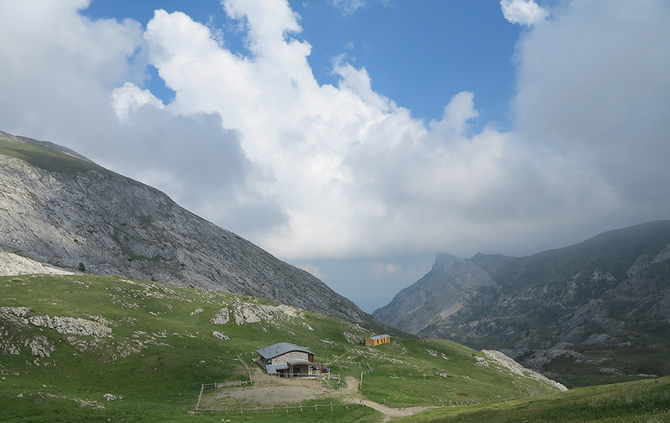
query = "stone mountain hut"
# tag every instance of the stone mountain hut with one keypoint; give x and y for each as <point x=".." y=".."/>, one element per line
<point x="288" y="360"/>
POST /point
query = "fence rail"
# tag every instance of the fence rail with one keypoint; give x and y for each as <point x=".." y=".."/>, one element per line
<point x="225" y="384"/>
<point x="316" y="407"/>
<point x="297" y="375"/>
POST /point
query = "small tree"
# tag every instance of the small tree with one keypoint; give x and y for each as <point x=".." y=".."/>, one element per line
<point x="82" y="268"/>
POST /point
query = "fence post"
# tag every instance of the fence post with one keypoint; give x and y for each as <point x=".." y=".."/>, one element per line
<point x="197" y="406"/>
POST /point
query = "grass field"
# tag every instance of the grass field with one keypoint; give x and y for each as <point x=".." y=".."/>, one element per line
<point x="632" y="402"/>
<point x="163" y="346"/>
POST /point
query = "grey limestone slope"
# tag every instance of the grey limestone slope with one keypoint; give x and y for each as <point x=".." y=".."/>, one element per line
<point x="436" y="296"/>
<point x="58" y="208"/>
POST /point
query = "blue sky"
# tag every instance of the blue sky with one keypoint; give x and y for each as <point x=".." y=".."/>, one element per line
<point x="418" y="53"/>
<point x="358" y="138"/>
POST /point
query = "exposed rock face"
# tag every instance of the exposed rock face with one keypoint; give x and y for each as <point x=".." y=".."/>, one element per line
<point x="436" y="296"/>
<point x="69" y="325"/>
<point x="502" y="360"/>
<point x="612" y="291"/>
<point x="12" y="264"/>
<point x="15" y="334"/>
<point x="60" y="209"/>
<point x="243" y="313"/>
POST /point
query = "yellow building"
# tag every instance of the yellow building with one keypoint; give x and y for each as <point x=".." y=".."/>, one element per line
<point x="377" y="340"/>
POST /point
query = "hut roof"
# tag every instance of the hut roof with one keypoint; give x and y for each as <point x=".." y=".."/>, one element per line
<point x="279" y="349"/>
<point x="380" y="337"/>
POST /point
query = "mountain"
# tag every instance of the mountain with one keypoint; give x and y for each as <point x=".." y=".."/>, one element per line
<point x="590" y="313"/>
<point x="87" y="348"/>
<point x="61" y="212"/>
<point x="441" y="293"/>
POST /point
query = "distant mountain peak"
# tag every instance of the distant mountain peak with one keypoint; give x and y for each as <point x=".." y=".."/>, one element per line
<point x="609" y="292"/>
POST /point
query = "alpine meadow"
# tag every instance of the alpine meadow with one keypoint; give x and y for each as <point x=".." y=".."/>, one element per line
<point x="335" y="210"/>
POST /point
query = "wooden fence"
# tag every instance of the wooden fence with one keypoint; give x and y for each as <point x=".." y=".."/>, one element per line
<point x="225" y="384"/>
<point x="279" y="409"/>
<point x="298" y="375"/>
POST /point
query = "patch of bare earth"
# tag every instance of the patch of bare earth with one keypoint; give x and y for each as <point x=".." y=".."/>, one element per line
<point x="271" y="391"/>
<point x="268" y="391"/>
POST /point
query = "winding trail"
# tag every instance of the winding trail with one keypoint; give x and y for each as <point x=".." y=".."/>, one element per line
<point x="389" y="413"/>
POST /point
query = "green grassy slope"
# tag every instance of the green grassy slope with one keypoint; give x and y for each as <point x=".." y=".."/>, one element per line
<point x="633" y="402"/>
<point x="162" y="348"/>
<point x="48" y="159"/>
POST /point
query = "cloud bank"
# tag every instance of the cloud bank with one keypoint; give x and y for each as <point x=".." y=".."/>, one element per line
<point x="312" y="171"/>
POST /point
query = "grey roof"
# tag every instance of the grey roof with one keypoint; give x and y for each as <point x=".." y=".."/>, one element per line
<point x="272" y="368"/>
<point x="380" y="337"/>
<point x="281" y="348"/>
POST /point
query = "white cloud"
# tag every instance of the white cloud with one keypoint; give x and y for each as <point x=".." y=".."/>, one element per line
<point x="354" y="173"/>
<point x="58" y="67"/>
<point x="308" y="171"/>
<point x="130" y="97"/>
<point x="349" y="6"/>
<point x="76" y="81"/>
<point x="594" y="84"/>
<point x="523" y="12"/>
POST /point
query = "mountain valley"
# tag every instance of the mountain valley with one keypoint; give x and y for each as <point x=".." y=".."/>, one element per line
<point x="595" y="312"/>
<point x="116" y="304"/>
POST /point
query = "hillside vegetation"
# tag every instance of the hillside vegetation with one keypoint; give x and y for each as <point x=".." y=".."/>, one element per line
<point x="645" y="401"/>
<point x="68" y="340"/>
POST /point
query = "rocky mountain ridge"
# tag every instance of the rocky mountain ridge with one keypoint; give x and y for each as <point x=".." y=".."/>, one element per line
<point x="558" y="308"/>
<point x="61" y="211"/>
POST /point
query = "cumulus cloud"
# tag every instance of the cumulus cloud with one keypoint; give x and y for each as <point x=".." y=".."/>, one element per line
<point x="128" y="98"/>
<point x="76" y="81"/>
<point x="349" y="165"/>
<point x="522" y="12"/>
<point x="593" y="83"/>
<point x="317" y="171"/>
<point x="58" y="67"/>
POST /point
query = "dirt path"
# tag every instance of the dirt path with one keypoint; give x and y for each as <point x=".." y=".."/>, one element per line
<point x="351" y="393"/>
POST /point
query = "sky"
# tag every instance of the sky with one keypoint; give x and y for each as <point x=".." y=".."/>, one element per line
<point x="358" y="138"/>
